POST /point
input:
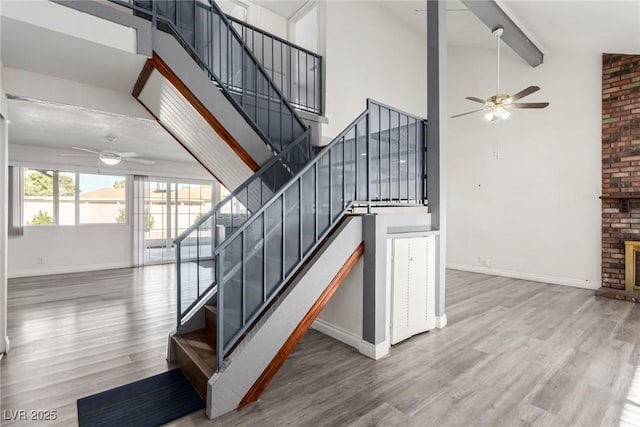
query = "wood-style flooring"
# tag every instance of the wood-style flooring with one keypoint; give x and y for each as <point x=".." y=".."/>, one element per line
<point x="514" y="353"/>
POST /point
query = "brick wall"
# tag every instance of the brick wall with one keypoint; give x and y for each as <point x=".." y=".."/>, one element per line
<point x="620" y="161"/>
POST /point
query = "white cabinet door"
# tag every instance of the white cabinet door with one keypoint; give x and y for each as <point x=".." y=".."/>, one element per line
<point x="412" y="287"/>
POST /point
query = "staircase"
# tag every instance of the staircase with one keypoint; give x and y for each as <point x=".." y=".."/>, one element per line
<point x="195" y="352"/>
<point x="207" y="89"/>
<point x="255" y="271"/>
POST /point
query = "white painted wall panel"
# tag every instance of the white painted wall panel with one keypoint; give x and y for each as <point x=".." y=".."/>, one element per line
<point x="65" y="20"/>
<point x="369" y="55"/>
<point x="70" y="249"/>
<point x="523" y="193"/>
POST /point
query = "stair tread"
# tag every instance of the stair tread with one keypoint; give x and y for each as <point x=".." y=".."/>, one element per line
<point x="201" y="344"/>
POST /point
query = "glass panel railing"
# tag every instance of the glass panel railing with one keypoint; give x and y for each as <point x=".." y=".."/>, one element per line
<point x="296" y="71"/>
<point x="212" y="41"/>
<point x="195" y="246"/>
<point x="286" y="230"/>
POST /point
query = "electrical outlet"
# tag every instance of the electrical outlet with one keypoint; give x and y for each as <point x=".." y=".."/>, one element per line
<point x="40" y="260"/>
<point x="486" y="261"/>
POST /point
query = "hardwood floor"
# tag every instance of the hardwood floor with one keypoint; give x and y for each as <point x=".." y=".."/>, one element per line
<point x="514" y="353"/>
<point x="78" y="334"/>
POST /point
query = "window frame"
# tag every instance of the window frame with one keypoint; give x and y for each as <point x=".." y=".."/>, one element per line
<point x="56" y="196"/>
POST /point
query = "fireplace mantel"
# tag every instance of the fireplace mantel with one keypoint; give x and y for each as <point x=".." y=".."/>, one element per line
<point x="623" y="199"/>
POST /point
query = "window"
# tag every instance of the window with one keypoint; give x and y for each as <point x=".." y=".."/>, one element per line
<point x="170" y="208"/>
<point x="39" y="202"/>
<point x="102" y="199"/>
<point x="68" y="198"/>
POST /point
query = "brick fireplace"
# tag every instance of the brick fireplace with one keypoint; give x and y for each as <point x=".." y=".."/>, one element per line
<point x="620" y="163"/>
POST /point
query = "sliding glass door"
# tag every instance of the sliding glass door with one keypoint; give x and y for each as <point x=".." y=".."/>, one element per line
<point x="170" y="208"/>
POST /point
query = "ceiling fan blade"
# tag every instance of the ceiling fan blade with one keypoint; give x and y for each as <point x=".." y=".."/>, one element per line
<point x="77" y="155"/>
<point x="524" y="92"/>
<point x="474" y="99"/>
<point x="128" y="154"/>
<point x="86" y="149"/>
<point x="467" y="113"/>
<point x="141" y="161"/>
<point x="530" y="105"/>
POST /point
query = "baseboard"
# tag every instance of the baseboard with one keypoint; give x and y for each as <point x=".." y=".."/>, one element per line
<point x="7" y="347"/>
<point x="441" y="321"/>
<point x="337" y="333"/>
<point x="372" y="351"/>
<point x="67" y="269"/>
<point x="554" y="280"/>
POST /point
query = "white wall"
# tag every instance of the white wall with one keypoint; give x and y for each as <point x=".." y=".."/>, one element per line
<point x="257" y="16"/>
<point x="65" y="20"/>
<point x="363" y="61"/>
<point x="64" y="249"/>
<point x="44" y="87"/>
<point x="343" y="312"/>
<point x="533" y="211"/>
<point x="305" y="29"/>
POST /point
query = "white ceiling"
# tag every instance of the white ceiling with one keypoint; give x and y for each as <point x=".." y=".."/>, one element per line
<point x="60" y="127"/>
<point x="559" y="25"/>
<point x="284" y="8"/>
<point x="57" y="126"/>
<point x="596" y="25"/>
<point x="554" y="25"/>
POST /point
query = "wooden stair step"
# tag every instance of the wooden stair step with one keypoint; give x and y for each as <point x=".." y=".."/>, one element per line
<point x="196" y="357"/>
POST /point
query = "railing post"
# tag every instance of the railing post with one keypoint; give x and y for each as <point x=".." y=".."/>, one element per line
<point x="368" y="142"/>
<point x="220" y="311"/>
<point x="243" y="278"/>
<point x="154" y="14"/>
<point x="179" y="284"/>
<point x="425" y="195"/>
<point x="284" y="234"/>
<point x="330" y="166"/>
<point x="198" y="262"/>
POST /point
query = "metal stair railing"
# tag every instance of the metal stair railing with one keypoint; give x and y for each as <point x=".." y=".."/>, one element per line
<point x="195" y="246"/>
<point x="295" y="70"/>
<point x="212" y="41"/>
<point x="379" y="159"/>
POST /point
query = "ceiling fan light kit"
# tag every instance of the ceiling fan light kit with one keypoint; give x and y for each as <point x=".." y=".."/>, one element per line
<point x="497" y="107"/>
<point x="111" y="157"/>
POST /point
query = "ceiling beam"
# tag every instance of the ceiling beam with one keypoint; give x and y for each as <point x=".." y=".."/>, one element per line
<point x="493" y="17"/>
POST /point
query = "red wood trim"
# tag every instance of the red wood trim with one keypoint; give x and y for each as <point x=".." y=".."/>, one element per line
<point x="261" y="384"/>
<point x="142" y="78"/>
<point x="157" y="63"/>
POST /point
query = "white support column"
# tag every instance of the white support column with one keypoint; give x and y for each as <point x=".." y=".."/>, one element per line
<point x="436" y="139"/>
<point x="4" y="210"/>
<point x="4" y="214"/>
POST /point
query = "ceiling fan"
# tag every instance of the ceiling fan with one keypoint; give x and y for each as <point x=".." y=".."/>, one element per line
<point x="498" y="106"/>
<point x="111" y="157"/>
